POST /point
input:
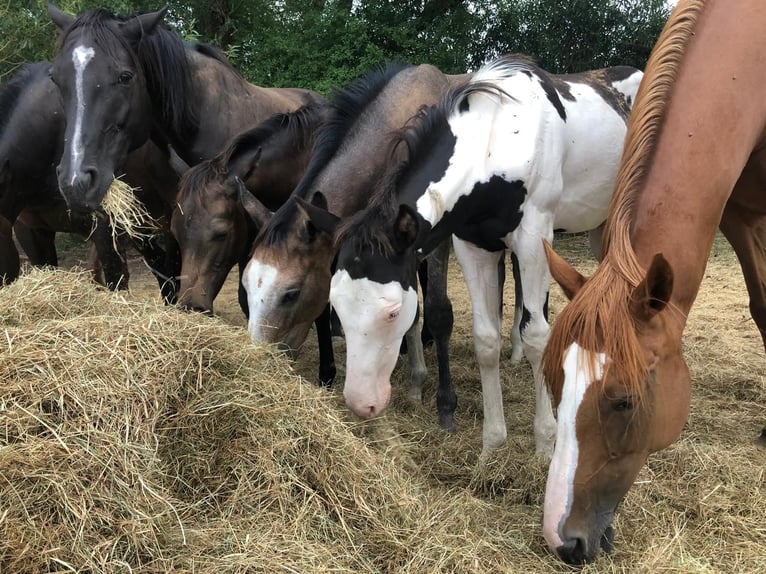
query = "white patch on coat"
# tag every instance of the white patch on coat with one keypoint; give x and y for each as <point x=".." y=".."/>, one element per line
<point x="559" y="489"/>
<point x="81" y="57"/>
<point x="259" y="281"/>
<point x="375" y="317"/>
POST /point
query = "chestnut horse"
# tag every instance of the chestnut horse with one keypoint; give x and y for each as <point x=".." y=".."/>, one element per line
<point x="694" y="159"/>
<point x="124" y="79"/>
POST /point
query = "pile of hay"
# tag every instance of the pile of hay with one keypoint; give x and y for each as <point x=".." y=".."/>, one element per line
<point x="137" y="438"/>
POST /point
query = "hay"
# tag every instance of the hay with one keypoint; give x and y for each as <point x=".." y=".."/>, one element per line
<point x="125" y="212"/>
<point x="137" y="438"/>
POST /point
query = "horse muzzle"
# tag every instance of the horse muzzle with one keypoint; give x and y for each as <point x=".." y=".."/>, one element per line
<point x="81" y="189"/>
<point x="580" y="550"/>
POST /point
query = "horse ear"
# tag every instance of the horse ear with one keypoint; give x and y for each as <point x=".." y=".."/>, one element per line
<point x="138" y="26"/>
<point x="569" y="279"/>
<point x="244" y="165"/>
<point x="61" y="19"/>
<point x="653" y="293"/>
<point x="259" y="214"/>
<point x="317" y="213"/>
<point x="406" y="228"/>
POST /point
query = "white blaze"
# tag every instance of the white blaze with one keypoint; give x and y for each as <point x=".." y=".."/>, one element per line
<point x="81" y="56"/>
<point x="560" y="486"/>
<point x="375" y="317"/>
<point x="259" y="280"/>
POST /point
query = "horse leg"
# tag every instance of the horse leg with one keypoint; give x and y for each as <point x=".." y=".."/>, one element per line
<point x="595" y="238"/>
<point x="746" y="232"/>
<point x="113" y="258"/>
<point x="535" y="281"/>
<point x="480" y="274"/>
<point x="10" y="264"/>
<point x="426" y="336"/>
<point x="517" y="351"/>
<point x="38" y="243"/>
<point x="327" y="369"/>
<point x="417" y="360"/>
<point x="162" y="256"/>
<point x="438" y="309"/>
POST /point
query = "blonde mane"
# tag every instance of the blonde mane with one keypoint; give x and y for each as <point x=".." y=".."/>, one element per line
<point x="598" y="317"/>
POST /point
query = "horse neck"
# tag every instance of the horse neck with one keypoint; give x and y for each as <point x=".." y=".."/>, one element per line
<point x="712" y="124"/>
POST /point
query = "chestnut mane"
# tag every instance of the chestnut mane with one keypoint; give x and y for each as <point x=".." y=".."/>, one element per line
<point x="598" y="317"/>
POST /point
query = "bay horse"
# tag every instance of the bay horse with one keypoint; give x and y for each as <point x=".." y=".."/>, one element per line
<point x="500" y="162"/>
<point x="31" y="140"/>
<point x="694" y="160"/>
<point x="223" y="201"/>
<point x="124" y="79"/>
<point x="288" y="276"/>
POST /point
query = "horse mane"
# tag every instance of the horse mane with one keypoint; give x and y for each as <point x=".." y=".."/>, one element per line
<point x="162" y="57"/>
<point x="299" y="124"/>
<point x="347" y="106"/>
<point x="10" y="91"/>
<point x="598" y="317"/>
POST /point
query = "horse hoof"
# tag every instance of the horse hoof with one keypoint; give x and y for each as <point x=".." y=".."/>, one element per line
<point x="447" y="422"/>
<point x="516" y="356"/>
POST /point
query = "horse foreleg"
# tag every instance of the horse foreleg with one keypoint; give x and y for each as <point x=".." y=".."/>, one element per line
<point x="746" y="232"/>
<point x="113" y="258"/>
<point x="418" y="371"/>
<point x="438" y="309"/>
<point x="535" y="281"/>
<point x="9" y="255"/>
<point x="480" y="274"/>
<point x="327" y="369"/>
<point x="517" y="350"/>
<point x="37" y="242"/>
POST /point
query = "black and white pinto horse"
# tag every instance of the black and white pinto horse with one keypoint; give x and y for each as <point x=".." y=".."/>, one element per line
<point x="507" y="158"/>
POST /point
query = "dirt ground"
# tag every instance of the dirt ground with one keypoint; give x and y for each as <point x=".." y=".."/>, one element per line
<point x="696" y="507"/>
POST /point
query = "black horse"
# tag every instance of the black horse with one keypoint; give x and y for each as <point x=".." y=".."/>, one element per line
<point x="126" y="79"/>
<point x="31" y="140"/>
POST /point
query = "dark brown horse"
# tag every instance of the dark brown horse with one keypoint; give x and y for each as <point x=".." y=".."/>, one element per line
<point x="215" y="221"/>
<point x="694" y="159"/>
<point x="288" y="276"/>
<point x="31" y="139"/>
<point x="122" y="79"/>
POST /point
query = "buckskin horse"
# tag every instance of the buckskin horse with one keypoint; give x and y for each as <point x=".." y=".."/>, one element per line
<point x="31" y="139"/>
<point x="222" y="202"/>
<point x="694" y="160"/>
<point x="288" y="276"/>
<point x="124" y="79"/>
<point x="501" y="162"/>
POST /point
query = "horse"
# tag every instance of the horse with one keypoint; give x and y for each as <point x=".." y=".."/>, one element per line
<point x="31" y="140"/>
<point x="693" y="161"/>
<point x="500" y="162"/>
<point x="216" y="217"/>
<point x="215" y="221"/>
<point x="124" y="79"/>
<point x="288" y="276"/>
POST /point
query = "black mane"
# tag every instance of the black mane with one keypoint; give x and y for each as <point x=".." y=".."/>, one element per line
<point x="162" y="57"/>
<point x="11" y="90"/>
<point x="348" y="105"/>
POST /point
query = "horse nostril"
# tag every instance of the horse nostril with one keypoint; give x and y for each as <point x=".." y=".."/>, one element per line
<point x="573" y="551"/>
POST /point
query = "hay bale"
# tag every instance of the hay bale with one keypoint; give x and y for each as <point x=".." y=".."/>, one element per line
<point x="139" y="438"/>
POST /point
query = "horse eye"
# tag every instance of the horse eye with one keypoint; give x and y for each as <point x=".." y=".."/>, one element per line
<point x="623" y="405"/>
<point x="291" y="296"/>
<point x="124" y="78"/>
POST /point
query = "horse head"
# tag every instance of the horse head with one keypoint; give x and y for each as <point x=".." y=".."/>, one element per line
<point x="621" y="389"/>
<point x="374" y="292"/>
<point x="288" y="276"/>
<point x="211" y="223"/>
<point x="104" y="93"/>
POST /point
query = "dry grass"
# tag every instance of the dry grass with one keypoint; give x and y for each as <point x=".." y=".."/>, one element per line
<point x="125" y="212"/>
<point x="137" y="438"/>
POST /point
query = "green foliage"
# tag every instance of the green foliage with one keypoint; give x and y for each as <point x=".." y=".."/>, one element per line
<point x="321" y="44"/>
